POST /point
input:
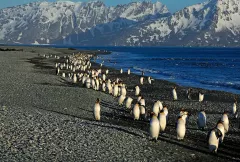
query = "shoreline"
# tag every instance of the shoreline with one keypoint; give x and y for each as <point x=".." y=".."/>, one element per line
<point x="192" y="84"/>
<point x="68" y="107"/>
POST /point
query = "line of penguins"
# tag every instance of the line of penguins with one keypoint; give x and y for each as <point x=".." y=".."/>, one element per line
<point x="92" y="78"/>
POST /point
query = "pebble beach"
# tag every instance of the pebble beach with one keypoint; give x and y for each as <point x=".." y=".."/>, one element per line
<point x="45" y="117"/>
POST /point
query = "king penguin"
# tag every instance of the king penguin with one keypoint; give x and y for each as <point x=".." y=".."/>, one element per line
<point x="115" y="90"/>
<point x="142" y="102"/>
<point x="141" y="80"/>
<point x="137" y="90"/>
<point x="220" y="126"/>
<point x="97" y="110"/>
<point x="129" y="71"/>
<point x="121" y="100"/>
<point x="202" y="120"/>
<point x="142" y="112"/>
<point x="181" y="128"/>
<point x="165" y="110"/>
<point x="162" y="121"/>
<point x="155" y="108"/>
<point x="74" y="78"/>
<point x="189" y="91"/>
<point x="121" y="71"/>
<point x="234" y="109"/>
<point x="58" y="71"/>
<point x="129" y="103"/>
<point x="201" y="96"/>
<point x="225" y="121"/>
<point x="136" y="112"/>
<point x="123" y="90"/>
<point x="154" y="127"/>
<point x="174" y="93"/>
<point x="213" y="139"/>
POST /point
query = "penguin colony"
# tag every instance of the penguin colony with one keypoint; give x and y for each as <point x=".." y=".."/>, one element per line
<point x="97" y="79"/>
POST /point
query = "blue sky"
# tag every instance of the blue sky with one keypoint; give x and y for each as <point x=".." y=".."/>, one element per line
<point x="173" y="5"/>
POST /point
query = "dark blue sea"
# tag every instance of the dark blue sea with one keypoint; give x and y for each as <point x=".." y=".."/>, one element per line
<point x="209" y="68"/>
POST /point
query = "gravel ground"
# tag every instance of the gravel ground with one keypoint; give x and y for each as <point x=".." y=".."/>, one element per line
<point x="46" y="118"/>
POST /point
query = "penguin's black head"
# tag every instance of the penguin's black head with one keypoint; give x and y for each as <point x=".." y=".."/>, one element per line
<point x="182" y="110"/>
<point x="179" y="117"/>
<point x="152" y="114"/>
<point x="218" y="133"/>
<point x="98" y="100"/>
<point x="235" y="100"/>
<point x="220" y="122"/>
<point x="225" y="112"/>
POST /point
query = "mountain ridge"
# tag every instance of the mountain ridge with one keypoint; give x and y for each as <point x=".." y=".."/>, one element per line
<point x="211" y="23"/>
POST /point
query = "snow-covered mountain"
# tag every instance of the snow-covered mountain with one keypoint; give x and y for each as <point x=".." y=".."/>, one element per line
<point x="213" y="23"/>
<point x="44" y="22"/>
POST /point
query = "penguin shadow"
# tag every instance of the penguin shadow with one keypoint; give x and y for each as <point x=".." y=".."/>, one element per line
<point x="113" y="107"/>
<point x="85" y="110"/>
<point x="64" y="113"/>
<point x="68" y="83"/>
<point x="117" y="128"/>
<point x="182" y="144"/>
<point x="39" y="63"/>
<point x="49" y="84"/>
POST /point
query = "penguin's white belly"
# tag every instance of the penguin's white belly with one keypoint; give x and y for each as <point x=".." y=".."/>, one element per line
<point x="97" y="112"/>
<point x="74" y="79"/>
<point x="93" y="84"/>
<point x="160" y="105"/>
<point x="103" y="87"/>
<point x="137" y="91"/>
<point x="121" y="99"/>
<point x="115" y="91"/>
<point x="97" y="85"/>
<point x="154" y="128"/>
<point x="163" y="122"/>
<point x="104" y="77"/>
<point x="213" y="142"/>
<point x="149" y="81"/>
<point x="141" y="81"/>
<point x="142" y="110"/>
<point x="174" y="95"/>
<point x="142" y="102"/>
<point x="155" y="108"/>
<point x="221" y="128"/>
<point x="166" y="113"/>
<point x="128" y="103"/>
<point x="136" y="113"/>
<point x="181" y="130"/>
<point x="88" y="84"/>
<point x="124" y="91"/>
<point x="234" y="108"/>
<point x="225" y="123"/>
<point x="201" y="96"/>
<point x="110" y="89"/>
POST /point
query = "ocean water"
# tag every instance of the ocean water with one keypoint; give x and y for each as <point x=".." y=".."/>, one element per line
<point x="209" y="68"/>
